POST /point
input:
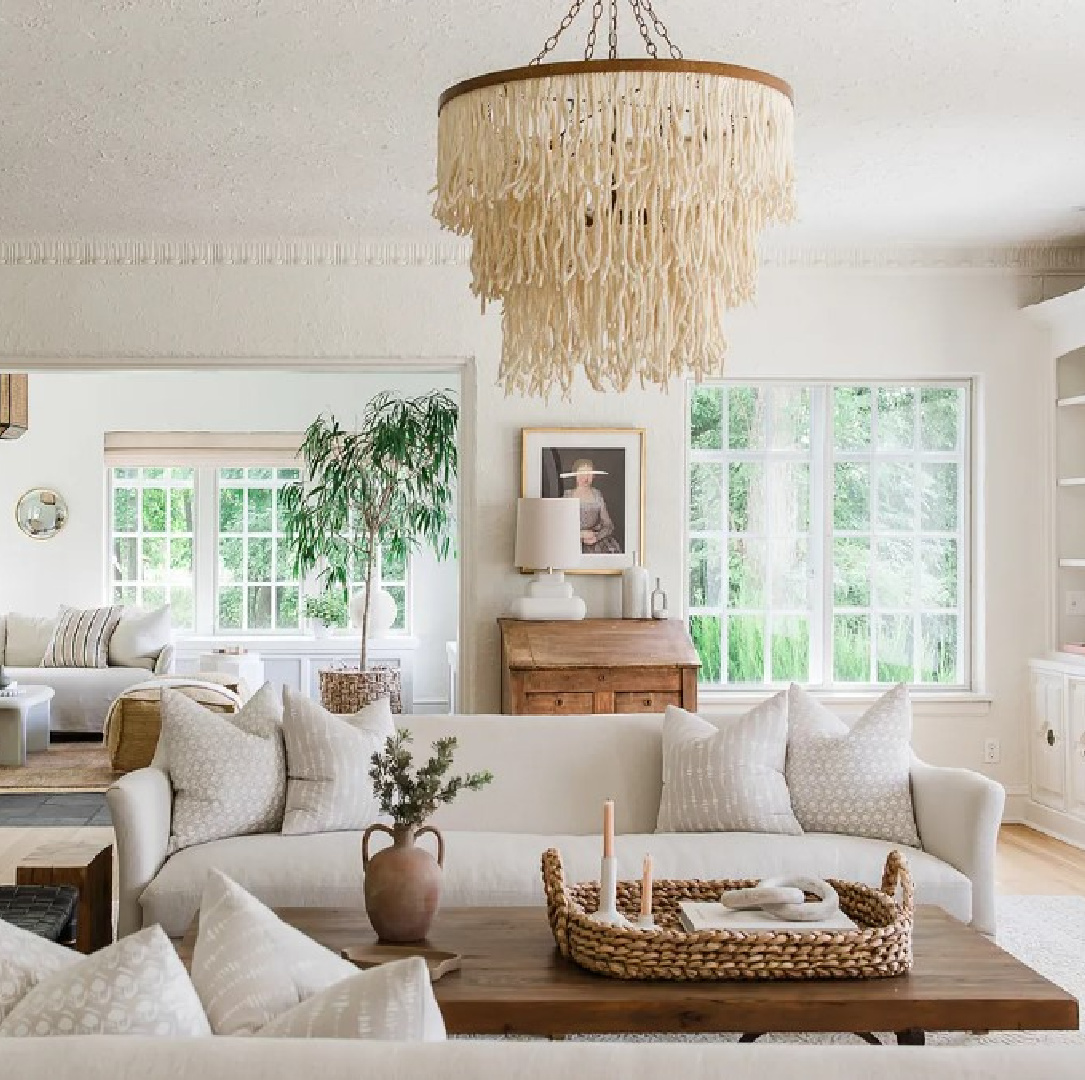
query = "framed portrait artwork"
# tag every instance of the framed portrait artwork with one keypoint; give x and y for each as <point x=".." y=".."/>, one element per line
<point x="604" y="469"/>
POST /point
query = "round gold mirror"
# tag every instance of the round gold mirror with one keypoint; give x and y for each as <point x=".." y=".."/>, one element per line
<point x="41" y="513"/>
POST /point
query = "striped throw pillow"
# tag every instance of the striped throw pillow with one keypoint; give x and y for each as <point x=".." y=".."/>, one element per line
<point x="81" y="638"/>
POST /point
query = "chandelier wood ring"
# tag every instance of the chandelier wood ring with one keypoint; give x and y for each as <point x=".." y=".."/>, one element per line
<point x="615" y="206"/>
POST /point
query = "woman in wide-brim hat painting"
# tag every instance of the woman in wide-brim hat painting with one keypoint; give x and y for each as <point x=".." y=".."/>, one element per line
<point x="596" y="527"/>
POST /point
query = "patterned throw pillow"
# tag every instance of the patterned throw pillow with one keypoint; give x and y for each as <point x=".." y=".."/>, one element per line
<point x="328" y="758"/>
<point x="393" y="1002"/>
<point x="137" y="986"/>
<point x="855" y="781"/>
<point x="81" y="638"/>
<point x="26" y="959"/>
<point x="726" y="779"/>
<point x="228" y="771"/>
<point x="250" y="967"/>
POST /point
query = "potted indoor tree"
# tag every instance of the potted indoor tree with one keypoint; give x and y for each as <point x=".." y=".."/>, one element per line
<point x="387" y="485"/>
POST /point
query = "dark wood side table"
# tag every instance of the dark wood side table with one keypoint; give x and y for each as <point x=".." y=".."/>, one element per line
<point x="596" y="666"/>
<point x="86" y="865"/>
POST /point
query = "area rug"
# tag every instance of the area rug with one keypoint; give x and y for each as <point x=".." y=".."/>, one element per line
<point x="1045" y="932"/>
<point x="65" y="766"/>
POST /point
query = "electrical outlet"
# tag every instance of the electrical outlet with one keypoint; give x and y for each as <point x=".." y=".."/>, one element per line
<point x="1075" y="603"/>
<point x="992" y="752"/>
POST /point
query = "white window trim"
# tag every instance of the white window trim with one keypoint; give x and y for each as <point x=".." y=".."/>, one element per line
<point x="968" y="697"/>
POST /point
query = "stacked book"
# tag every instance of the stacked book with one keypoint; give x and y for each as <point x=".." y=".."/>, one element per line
<point x="10" y="689"/>
<point x="702" y="915"/>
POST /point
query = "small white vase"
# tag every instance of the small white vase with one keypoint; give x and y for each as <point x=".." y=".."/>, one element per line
<point x="382" y="612"/>
<point x="319" y="628"/>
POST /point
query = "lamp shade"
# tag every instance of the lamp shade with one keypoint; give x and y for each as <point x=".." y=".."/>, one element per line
<point x="547" y="534"/>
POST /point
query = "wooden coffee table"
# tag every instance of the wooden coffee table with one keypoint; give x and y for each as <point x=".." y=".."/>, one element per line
<point x="514" y="982"/>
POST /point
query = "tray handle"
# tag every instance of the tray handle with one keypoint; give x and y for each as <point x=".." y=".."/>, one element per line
<point x="896" y="874"/>
<point x="557" y="898"/>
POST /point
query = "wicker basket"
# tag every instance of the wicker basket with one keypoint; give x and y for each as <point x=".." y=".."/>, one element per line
<point x="346" y="690"/>
<point x="881" y="946"/>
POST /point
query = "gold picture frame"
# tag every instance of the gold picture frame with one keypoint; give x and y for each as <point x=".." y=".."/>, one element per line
<point x="549" y="460"/>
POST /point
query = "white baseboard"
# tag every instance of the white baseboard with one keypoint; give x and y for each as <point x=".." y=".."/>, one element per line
<point x="1055" y="823"/>
<point x="431" y="706"/>
<point x="1016" y="811"/>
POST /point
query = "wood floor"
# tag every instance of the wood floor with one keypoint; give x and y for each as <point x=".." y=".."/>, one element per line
<point x="1028" y="861"/>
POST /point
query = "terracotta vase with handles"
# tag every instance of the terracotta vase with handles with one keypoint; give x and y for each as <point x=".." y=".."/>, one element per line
<point x="402" y="883"/>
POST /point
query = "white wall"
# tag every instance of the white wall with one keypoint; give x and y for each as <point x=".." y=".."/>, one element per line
<point x="808" y="322"/>
<point x="64" y="450"/>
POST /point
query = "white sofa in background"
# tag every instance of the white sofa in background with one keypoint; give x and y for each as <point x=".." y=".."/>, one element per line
<point x="551" y="776"/>
<point x="82" y="696"/>
<point x="109" y="1057"/>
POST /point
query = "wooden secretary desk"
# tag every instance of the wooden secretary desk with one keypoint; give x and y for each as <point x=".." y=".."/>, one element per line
<point x="596" y="666"/>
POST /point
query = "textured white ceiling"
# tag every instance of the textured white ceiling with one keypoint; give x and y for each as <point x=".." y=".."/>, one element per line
<point x="918" y="120"/>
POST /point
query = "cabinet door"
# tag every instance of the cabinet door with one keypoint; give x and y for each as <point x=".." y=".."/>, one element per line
<point x="1075" y="747"/>
<point x="1047" y="741"/>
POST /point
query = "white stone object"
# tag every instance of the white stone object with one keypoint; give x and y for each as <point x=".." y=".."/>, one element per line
<point x="759" y="895"/>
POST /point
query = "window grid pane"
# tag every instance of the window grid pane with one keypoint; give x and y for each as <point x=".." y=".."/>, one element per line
<point x="889" y="464"/>
<point x="153" y="526"/>
<point x="257" y="591"/>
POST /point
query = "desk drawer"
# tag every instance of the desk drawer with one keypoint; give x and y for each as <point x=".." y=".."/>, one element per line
<point x="558" y="704"/>
<point x="647" y="701"/>
<point x="591" y="680"/>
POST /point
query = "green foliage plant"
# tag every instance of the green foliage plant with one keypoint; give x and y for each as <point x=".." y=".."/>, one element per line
<point x="330" y="608"/>
<point x="387" y="484"/>
<point x="408" y="797"/>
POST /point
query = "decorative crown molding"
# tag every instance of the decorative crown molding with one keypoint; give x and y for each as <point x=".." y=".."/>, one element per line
<point x="1036" y="258"/>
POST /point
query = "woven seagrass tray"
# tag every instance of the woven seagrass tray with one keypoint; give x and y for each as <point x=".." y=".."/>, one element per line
<point x="881" y="945"/>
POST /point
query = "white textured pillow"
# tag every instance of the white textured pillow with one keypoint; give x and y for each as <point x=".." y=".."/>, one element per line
<point x="328" y="758"/>
<point x="81" y="638"/>
<point x="728" y="778"/>
<point x="250" y="967"/>
<point x="140" y="636"/>
<point x="855" y="781"/>
<point x="228" y="770"/>
<point x="26" y="959"/>
<point x="392" y="1002"/>
<point x="137" y="986"/>
<point x="27" y="638"/>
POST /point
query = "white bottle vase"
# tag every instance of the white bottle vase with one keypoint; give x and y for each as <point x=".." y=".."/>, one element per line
<point x="635" y="603"/>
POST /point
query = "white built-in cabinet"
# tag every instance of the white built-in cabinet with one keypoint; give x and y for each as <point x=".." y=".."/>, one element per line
<point x="1056" y="740"/>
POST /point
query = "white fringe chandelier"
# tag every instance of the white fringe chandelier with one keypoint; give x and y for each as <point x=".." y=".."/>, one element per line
<point x="615" y="205"/>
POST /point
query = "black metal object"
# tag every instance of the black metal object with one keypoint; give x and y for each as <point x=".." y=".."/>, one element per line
<point x="45" y="910"/>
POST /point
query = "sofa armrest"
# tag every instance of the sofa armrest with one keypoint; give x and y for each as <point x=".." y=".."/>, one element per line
<point x="141" y="805"/>
<point x="163" y="664"/>
<point x="958" y="813"/>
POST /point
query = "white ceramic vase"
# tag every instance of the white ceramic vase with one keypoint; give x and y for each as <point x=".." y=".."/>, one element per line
<point x="319" y="628"/>
<point x="635" y="595"/>
<point x="382" y="612"/>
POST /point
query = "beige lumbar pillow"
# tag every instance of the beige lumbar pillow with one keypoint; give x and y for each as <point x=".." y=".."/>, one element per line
<point x="728" y="778"/>
<point x="228" y="771"/>
<point x="392" y="1002"/>
<point x="853" y="780"/>
<point x="328" y="758"/>
<point x="137" y="986"/>
<point x="248" y="966"/>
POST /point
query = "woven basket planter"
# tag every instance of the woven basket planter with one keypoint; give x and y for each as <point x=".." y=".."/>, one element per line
<point x="880" y="947"/>
<point x="346" y="690"/>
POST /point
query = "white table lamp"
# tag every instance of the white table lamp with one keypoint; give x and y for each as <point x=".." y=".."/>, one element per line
<point x="548" y="541"/>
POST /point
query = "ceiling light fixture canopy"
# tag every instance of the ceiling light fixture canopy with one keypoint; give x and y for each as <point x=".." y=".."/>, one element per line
<point x="616" y="205"/>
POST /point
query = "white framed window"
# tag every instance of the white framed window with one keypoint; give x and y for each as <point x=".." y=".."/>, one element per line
<point x="256" y="590"/>
<point x="207" y="537"/>
<point x="829" y="533"/>
<point x="152" y="539"/>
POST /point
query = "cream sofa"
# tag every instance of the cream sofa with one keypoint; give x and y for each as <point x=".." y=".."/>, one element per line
<point x="98" y="1057"/>
<point x="81" y="696"/>
<point x="551" y="775"/>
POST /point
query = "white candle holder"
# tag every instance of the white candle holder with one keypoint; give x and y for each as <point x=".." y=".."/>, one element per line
<point x="608" y="912"/>
<point x="646" y="922"/>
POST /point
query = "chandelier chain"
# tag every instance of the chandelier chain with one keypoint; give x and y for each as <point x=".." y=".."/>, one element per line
<point x="552" y="40"/>
<point x="643" y="12"/>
